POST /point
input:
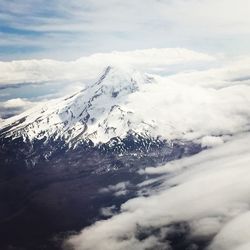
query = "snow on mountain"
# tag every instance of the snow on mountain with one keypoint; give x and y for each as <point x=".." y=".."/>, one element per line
<point x="96" y="113"/>
<point x="194" y="106"/>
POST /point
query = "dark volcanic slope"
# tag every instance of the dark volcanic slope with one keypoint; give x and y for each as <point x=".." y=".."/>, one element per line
<point x="41" y="202"/>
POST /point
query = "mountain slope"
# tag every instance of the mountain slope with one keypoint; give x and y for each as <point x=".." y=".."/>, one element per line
<point x="96" y="113"/>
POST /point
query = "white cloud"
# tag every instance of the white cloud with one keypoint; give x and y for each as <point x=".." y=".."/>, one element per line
<point x="89" y="67"/>
<point x="15" y="106"/>
<point x="195" y="105"/>
<point x="234" y="235"/>
<point x="118" y="189"/>
<point x="17" y="103"/>
<point x="209" y="191"/>
<point x="108" y="211"/>
<point x="211" y="141"/>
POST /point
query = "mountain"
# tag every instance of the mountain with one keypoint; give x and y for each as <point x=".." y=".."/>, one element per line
<point x="97" y="117"/>
<point x="96" y="113"/>
<point x="56" y="157"/>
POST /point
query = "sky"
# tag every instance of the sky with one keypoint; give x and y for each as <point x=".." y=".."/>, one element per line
<point x="67" y="30"/>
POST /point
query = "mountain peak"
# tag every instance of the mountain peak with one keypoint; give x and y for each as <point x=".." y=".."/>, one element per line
<point x="117" y="75"/>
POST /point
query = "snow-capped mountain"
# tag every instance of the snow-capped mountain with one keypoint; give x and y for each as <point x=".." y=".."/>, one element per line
<point x="122" y="103"/>
<point x="98" y="118"/>
<point x="96" y="113"/>
<point x="126" y="111"/>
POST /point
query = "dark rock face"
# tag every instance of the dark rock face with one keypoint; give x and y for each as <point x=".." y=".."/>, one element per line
<point x="48" y="189"/>
<point x="17" y="153"/>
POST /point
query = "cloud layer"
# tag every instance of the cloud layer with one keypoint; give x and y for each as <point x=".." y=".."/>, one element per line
<point x="85" y="68"/>
<point x="209" y="192"/>
<point x="46" y="28"/>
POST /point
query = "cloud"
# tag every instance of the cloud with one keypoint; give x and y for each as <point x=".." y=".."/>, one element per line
<point x="16" y="103"/>
<point x="85" y="68"/>
<point x="108" y="211"/>
<point x="118" y="189"/>
<point x="211" y="141"/>
<point x="230" y="237"/>
<point x="209" y="192"/>
<point x="192" y="105"/>
<point x="14" y="107"/>
<point x="80" y="27"/>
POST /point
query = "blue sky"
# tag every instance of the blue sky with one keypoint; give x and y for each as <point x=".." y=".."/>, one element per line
<point x="67" y="30"/>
